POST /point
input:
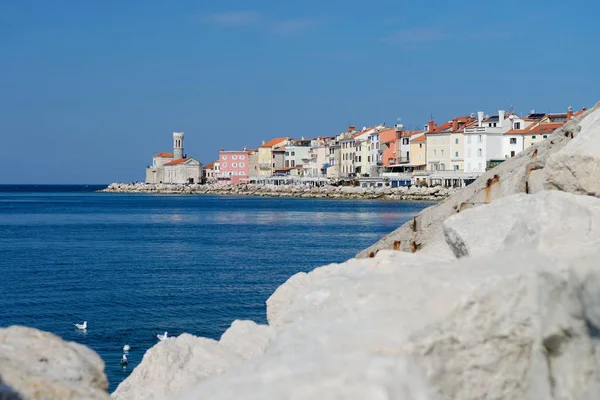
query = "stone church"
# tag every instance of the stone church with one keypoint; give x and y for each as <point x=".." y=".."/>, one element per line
<point x="174" y="167"/>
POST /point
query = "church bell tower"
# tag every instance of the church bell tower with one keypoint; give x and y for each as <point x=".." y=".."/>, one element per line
<point x="177" y="145"/>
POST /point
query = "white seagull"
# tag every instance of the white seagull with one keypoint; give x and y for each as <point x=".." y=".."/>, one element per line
<point x="126" y="348"/>
<point x="124" y="360"/>
<point x="81" y="327"/>
<point x="162" y="337"/>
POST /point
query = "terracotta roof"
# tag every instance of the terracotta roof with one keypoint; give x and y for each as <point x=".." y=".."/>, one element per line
<point x="209" y="166"/>
<point x="165" y="155"/>
<point x="543" y="128"/>
<point x="515" y="132"/>
<point x="419" y="139"/>
<point x="273" y="142"/>
<point x="178" y="161"/>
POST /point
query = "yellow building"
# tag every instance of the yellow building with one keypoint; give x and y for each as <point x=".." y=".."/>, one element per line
<point x="418" y="152"/>
<point x="539" y="132"/>
<point x="265" y="156"/>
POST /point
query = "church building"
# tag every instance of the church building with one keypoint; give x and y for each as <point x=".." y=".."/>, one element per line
<point x="174" y="167"/>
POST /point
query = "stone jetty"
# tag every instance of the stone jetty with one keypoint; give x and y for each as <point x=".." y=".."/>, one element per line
<point x="497" y="296"/>
<point x="320" y="192"/>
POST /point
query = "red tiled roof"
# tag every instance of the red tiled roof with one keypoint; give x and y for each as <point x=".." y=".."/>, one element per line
<point x="209" y="166"/>
<point x="178" y="161"/>
<point x="543" y="128"/>
<point x="273" y="142"/>
<point x="164" y="154"/>
<point x="419" y="139"/>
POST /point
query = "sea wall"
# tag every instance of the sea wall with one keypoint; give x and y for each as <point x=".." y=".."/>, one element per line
<point x="332" y="192"/>
<point x="501" y="301"/>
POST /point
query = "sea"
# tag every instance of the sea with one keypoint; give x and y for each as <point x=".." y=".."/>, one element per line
<point x="136" y="265"/>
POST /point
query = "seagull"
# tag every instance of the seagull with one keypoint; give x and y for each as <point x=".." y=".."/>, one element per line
<point x="124" y="360"/>
<point x="81" y="327"/>
<point x="162" y="337"/>
<point x="126" y="348"/>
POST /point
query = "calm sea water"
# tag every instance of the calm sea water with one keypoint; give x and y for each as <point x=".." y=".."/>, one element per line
<point x="137" y="265"/>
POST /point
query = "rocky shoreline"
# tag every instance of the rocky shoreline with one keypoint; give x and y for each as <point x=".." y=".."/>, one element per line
<point x="326" y="192"/>
<point x="495" y="296"/>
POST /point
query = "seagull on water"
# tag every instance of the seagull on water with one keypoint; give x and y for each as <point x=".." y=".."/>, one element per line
<point x="126" y="348"/>
<point x="81" y="327"/>
<point x="162" y="337"/>
<point x="124" y="360"/>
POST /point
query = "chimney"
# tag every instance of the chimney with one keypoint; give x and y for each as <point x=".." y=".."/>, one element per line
<point x="569" y="113"/>
<point x="454" y="124"/>
<point x="302" y="138"/>
<point x="431" y="126"/>
<point x="479" y="118"/>
<point x="351" y="128"/>
<point x="263" y="143"/>
<point x="501" y="114"/>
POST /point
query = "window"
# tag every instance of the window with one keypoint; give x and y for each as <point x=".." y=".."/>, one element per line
<point x="287" y="163"/>
<point x="512" y="153"/>
<point x="479" y="153"/>
<point x="287" y="153"/>
<point x="420" y="145"/>
<point x="234" y="157"/>
<point x="513" y="140"/>
<point x="456" y="141"/>
<point x="455" y="167"/>
<point x="368" y="158"/>
<point x="480" y="139"/>
<point x="234" y="165"/>
<point x="420" y="156"/>
<point x="224" y="158"/>
<point x="456" y="154"/>
<point x="293" y="153"/>
<point x="517" y="125"/>
<point x="241" y="165"/>
<point x="545" y="136"/>
<point x="359" y="158"/>
<point x="293" y="164"/>
<point x="224" y="165"/>
<point x="494" y="124"/>
<point x="242" y="157"/>
<point x="273" y="165"/>
<point x="434" y="153"/>
<point x="234" y="173"/>
<point x="442" y="151"/>
<point x="533" y="137"/>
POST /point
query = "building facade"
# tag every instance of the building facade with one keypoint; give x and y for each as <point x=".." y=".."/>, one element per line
<point x="176" y="167"/>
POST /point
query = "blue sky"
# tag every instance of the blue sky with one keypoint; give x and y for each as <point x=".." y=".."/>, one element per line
<point x="90" y="90"/>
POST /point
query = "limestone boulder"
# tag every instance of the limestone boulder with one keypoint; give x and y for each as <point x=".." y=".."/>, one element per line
<point x="576" y="167"/>
<point x="246" y="339"/>
<point x="510" y="326"/>
<point x="553" y="222"/>
<point x="174" y="365"/>
<point x="40" y="365"/>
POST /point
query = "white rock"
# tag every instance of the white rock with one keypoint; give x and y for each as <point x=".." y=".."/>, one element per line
<point x="576" y="167"/>
<point x="246" y="338"/>
<point x="174" y="365"/>
<point x="41" y="365"/>
<point x="552" y="222"/>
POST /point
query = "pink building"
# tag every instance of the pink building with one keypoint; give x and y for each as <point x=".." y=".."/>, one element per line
<point x="234" y="165"/>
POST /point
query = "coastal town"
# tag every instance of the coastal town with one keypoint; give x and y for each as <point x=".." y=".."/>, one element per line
<point x="450" y="154"/>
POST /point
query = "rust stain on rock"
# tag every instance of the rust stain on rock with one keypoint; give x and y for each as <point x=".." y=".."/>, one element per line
<point x="414" y="224"/>
<point x="397" y="244"/>
<point x="534" y="154"/>
<point x="488" y="187"/>
<point x="372" y="254"/>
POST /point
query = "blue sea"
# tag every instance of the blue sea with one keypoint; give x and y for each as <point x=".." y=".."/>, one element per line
<point x="134" y="265"/>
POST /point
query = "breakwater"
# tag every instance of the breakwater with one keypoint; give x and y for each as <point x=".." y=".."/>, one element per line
<point x="333" y="192"/>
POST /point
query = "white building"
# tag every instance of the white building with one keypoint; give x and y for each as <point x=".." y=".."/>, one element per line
<point x="174" y="167"/>
<point x="485" y="141"/>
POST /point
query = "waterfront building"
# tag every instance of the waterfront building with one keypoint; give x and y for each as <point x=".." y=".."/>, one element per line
<point x="295" y="152"/>
<point x="210" y="171"/>
<point x="266" y="157"/>
<point x="484" y="142"/>
<point x="175" y="167"/>
<point x="253" y="170"/>
<point x="334" y="153"/>
<point x="445" y="144"/>
<point x="234" y="166"/>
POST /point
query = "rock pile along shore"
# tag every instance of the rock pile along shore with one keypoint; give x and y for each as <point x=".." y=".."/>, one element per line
<point x="498" y="298"/>
<point x="331" y="192"/>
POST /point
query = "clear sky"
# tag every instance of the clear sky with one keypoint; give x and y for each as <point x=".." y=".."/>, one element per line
<point x="90" y="90"/>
